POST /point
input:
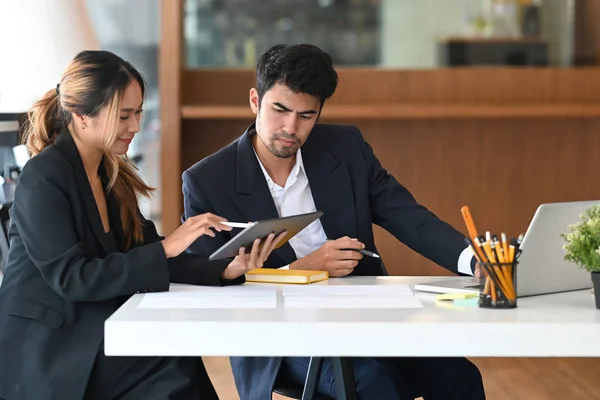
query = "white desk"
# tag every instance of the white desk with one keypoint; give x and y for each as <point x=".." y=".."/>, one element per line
<point x="559" y="325"/>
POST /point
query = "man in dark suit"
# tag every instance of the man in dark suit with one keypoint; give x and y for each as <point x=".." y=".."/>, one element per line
<point x="286" y="164"/>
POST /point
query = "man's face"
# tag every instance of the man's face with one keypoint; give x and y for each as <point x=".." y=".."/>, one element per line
<point x="284" y="119"/>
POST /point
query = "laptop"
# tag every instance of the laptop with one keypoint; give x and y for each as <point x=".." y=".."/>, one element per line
<point x="542" y="268"/>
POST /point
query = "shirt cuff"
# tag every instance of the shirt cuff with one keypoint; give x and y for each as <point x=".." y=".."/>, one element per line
<point x="285" y="267"/>
<point x="466" y="262"/>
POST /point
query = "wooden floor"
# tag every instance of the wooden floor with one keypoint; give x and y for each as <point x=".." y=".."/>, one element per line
<point x="504" y="378"/>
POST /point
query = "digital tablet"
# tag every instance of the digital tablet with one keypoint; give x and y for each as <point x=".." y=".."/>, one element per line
<point x="261" y="229"/>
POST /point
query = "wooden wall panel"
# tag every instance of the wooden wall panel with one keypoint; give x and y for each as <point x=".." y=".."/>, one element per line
<point x="502" y="169"/>
<point x="436" y="86"/>
<point x="204" y="137"/>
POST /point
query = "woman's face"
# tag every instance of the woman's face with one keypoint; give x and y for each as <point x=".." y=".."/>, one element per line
<point x="127" y="126"/>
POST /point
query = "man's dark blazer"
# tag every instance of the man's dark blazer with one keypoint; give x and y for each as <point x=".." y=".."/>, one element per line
<point x="347" y="183"/>
<point x="61" y="283"/>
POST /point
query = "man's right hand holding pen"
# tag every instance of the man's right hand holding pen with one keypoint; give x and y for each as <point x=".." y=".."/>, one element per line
<point x="338" y="257"/>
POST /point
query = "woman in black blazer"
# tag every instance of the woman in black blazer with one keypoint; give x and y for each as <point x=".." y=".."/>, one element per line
<point x="79" y="247"/>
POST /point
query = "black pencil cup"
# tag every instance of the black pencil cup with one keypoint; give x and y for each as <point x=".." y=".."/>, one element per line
<point x="500" y="290"/>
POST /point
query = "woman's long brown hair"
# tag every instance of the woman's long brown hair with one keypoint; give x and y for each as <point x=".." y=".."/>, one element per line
<point x="94" y="80"/>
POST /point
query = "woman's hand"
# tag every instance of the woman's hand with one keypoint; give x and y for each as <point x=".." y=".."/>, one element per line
<point x="246" y="262"/>
<point x="190" y="230"/>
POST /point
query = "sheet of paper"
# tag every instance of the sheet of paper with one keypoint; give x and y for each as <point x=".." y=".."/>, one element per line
<point x="354" y="302"/>
<point x="203" y="297"/>
<point x="347" y="290"/>
<point x="218" y="291"/>
<point x="154" y="300"/>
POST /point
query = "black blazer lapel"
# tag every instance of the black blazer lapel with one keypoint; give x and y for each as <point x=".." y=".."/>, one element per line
<point x="65" y="143"/>
<point x="331" y="188"/>
<point x="253" y="198"/>
<point x="114" y="215"/>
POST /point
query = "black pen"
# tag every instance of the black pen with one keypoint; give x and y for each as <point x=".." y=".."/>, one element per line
<point x="364" y="252"/>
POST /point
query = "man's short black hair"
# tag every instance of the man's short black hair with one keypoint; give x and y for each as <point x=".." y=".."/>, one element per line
<point x="303" y="68"/>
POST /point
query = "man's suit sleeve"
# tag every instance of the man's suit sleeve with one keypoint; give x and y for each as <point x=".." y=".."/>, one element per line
<point x="395" y="209"/>
<point x="195" y="203"/>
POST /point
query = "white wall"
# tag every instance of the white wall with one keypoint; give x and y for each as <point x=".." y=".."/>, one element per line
<point x="37" y="41"/>
<point x="135" y="22"/>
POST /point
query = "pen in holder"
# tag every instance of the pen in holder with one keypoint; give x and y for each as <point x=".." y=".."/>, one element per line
<point x="500" y="289"/>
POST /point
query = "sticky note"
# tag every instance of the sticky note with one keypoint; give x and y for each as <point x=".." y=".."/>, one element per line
<point x="456" y="296"/>
<point x="466" y="302"/>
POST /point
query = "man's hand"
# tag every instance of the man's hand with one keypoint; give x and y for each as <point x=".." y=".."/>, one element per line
<point x="333" y="257"/>
<point x="478" y="272"/>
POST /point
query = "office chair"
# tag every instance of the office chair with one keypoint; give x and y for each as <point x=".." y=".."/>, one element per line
<point x="285" y="387"/>
<point x="289" y="389"/>
<point x="4" y="222"/>
<point x="383" y="269"/>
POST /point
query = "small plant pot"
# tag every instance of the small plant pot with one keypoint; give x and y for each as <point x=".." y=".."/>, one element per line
<point x="596" y="282"/>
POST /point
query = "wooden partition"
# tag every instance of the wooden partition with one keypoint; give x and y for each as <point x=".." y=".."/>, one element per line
<point x="501" y="140"/>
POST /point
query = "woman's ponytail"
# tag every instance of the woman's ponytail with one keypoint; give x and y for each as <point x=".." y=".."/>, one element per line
<point x="44" y="121"/>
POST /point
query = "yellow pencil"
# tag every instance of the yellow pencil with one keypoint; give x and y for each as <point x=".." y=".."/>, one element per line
<point x="466" y="213"/>
<point x="503" y="272"/>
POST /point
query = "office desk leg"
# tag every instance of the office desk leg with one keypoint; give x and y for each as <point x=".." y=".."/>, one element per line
<point x="344" y="378"/>
<point x="312" y="377"/>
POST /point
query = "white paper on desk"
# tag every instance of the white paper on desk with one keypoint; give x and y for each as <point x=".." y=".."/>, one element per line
<point x="218" y="291"/>
<point x="154" y="300"/>
<point x="347" y="290"/>
<point x="355" y="302"/>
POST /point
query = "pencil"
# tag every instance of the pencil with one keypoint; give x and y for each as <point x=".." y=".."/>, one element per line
<point x="498" y="276"/>
<point x="503" y="259"/>
<point x="466" y="213"/>
<point x="511" y="253"/>
<point x="503" y="272"/>
<point x="504" y="285"/>
<point x="480" y="260"/>
<point x="504" y="244"/>
<point x="472" y="247"/>
<point x="511" y="259"/>
<point x="489" y="283"/>
<point x="471" y="229"/>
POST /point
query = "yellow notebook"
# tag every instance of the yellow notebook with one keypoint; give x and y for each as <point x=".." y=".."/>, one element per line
<point x="271" y="275"/>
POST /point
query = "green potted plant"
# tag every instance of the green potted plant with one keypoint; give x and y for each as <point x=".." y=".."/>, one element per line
<point x="582" y="245"/>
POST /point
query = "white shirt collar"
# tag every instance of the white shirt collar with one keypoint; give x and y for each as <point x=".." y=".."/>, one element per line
<point x="296" y="170"/>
